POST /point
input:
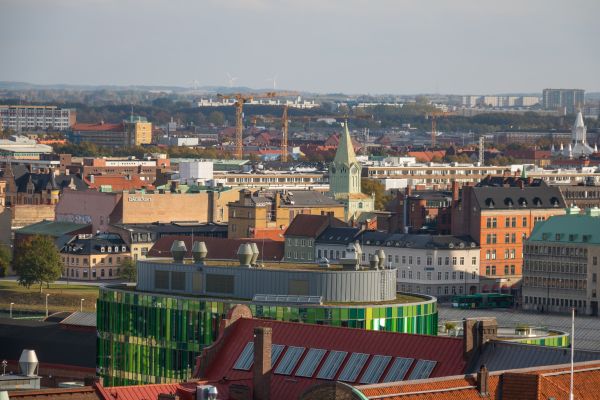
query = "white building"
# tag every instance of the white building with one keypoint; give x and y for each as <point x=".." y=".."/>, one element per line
<point x="196" y="171"/>
<point x="579" y="145"/>
<point x="19" y="118"/>
<point x="441" y="266"/>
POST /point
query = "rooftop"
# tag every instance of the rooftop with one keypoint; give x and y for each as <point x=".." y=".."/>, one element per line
<point x="52" y="228"/>
<point x="570" y="228"/>
<point x="403" y="240"/>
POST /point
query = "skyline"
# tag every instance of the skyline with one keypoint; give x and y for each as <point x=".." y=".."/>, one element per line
<point x="384" y="47"/>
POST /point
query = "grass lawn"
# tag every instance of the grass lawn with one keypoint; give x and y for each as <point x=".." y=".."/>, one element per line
<point x="62" y="297"/>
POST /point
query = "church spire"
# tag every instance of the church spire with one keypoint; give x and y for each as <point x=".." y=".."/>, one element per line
<point x="345" y="152"/>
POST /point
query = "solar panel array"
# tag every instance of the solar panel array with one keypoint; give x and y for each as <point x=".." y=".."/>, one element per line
<point x="353" y="367"/>
<point x="276" y="298"/>
<point x="422" y="369"/>
<point x="310" y="363"/>
<point x="398" y="370"/>
<point x="289" y="358"/>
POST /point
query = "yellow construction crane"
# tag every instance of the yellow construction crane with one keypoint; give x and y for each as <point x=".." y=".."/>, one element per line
<point x="240" y="99"/>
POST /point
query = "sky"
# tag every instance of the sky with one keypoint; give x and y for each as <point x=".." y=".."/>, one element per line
<point x="325" y="46"/>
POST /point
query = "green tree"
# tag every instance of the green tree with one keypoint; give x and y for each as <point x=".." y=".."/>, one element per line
<point x="5" y="258"/>
<point x="369" y="186"/>
<point x="216" y="118"/>
<point x="129" y="270"/>
<point x="37" y="261"/>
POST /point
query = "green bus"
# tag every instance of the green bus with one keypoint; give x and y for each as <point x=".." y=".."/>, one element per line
<point x="484" y="300"/>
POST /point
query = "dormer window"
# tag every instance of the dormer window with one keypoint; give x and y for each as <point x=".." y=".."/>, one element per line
<point x="123" y="249"/>
<point x="109" y="249"/>
<point x="102" y="249"/>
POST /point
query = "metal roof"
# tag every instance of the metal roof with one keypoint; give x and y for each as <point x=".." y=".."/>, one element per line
<point x="79" y="318"/>
<point x="572" y="228"/>
<point x="51" y="228"/>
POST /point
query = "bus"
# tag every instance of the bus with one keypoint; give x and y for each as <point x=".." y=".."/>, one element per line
<point x="484" y="300"/>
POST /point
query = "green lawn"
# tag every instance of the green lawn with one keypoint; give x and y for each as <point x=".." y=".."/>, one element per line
<point x="62" y="297"/>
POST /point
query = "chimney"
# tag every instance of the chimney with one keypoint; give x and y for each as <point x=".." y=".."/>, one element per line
<point x="455" y="191"/>
<point x="482" y="380"/>
<point x="476" y="332"/>
<point x="262" y="363"/>
<point x="92" y="179"/>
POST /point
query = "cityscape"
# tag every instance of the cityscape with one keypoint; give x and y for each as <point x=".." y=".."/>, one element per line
<point x="261" y="200"/>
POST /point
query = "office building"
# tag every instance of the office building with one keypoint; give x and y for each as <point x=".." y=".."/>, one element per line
<point x="569" y="100"/>
<point x="23" y="118"/>
<point x="561" y="267"/>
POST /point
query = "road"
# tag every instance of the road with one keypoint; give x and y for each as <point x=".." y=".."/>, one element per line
<point x="587" y="329"/>
<point x="71" y="282"/>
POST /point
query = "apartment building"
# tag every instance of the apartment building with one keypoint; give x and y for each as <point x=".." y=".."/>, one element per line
<point x="21" y="118"/>
<point x="90" y="258"/>
<point x="134" y="131"/>
<point x="561" y="266"/>
<point x="499" y="214"/>
<point x="569" y="100"/>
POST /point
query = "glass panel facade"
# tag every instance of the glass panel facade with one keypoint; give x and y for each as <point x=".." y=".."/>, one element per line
<point x="155" y="338"/>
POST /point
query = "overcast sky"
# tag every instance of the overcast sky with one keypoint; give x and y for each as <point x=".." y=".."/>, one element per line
<point x="351" y="46"/>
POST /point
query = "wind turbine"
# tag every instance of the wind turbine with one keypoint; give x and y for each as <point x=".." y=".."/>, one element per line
<point x="274" y="80"/>
<point x="231" y="79"/>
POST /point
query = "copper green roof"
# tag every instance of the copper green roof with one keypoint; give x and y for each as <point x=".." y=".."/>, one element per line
<point x="345" y="151"/>
<point x="51" y="228"/>
<point x="570" y="228"/>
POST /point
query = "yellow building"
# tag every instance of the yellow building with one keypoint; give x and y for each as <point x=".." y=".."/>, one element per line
<point x="266" y="214"/>
<point x="139" y="130"/>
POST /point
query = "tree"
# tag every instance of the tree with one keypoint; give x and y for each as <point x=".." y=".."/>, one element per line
<point x="37" y="261"/>
<point x="129" y="270"/>
<point x="216" y="118"/>
<point x="5" y="258"/>
<point x="369" y="186"/>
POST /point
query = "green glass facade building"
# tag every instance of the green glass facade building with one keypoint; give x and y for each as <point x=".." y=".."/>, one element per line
<point x="154" y="338"/>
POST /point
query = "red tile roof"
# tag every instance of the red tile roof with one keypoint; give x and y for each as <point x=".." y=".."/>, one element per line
<point x="219" y="248"/>
<point x="98" y="127"/>
<point x="140" y="392"/>
<point x="521" y="384"/>
<point x="118" y="182"/>
<point x="427" y="156"/>
<point x="446" y="351"/>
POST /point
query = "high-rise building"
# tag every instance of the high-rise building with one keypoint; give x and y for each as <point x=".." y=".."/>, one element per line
<point x="19" y="118"/>
<point x="568" y="99"/>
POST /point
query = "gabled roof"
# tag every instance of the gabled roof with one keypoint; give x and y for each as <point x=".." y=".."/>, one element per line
<point x="445" y="351"/>
<point x="219" y="248"/>
<point x="498" y="356"/>
<point x="338" y="235"/>
<point x="308" y="225"/>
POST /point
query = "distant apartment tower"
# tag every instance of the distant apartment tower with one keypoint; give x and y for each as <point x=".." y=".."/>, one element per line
<point x="568" y="99"/>
<point x="20" y="118"/>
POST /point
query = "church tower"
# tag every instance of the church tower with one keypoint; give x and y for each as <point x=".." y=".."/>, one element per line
<point x="579" y="146"/>
<point x="344" y="173"/>
<point x="344" y="179"/>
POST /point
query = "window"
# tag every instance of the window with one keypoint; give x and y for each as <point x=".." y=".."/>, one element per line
<point x="429" y="260"/>
<point x="462" y="261"/>
<point x="513" y="237"/>
<point x="453" y="275"/>
<point x="507" y="222"/>
<point x="487" y="255"/>
<point x="512" y="270"/>
<point x="507" y="238"/>
<point x="513" y="222"/>
<point x="410" y="260"/>
<point x="447" y="275"/>
<point x="428" y="276"/>
<point x="493" y="270"/>
<point x="409" y="274"/>
<point x="447" y="261"/>
<point x="595" y="260"/>
<point x="524" y="222"/>
<point x="418" y="260"/>
<point x="493" y="254"/>
<point x="506" y="270"/>
<point x="453" y="260"/>
<point x="473" y="275"/>
<point x="487" y="270"/>
<point x="473" y="260"/>
<point x="439" y="276"/>
<point x="403" y="274"/>
<point x="439" y="260"/>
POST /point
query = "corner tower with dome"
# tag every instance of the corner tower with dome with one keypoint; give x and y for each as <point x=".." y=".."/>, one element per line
<point x="344" y="179"/>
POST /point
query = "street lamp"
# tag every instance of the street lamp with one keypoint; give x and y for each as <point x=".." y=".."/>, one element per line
<point x="47" y="294"/>
<point x="11" y="307"/>
<point x="81" y="305"/>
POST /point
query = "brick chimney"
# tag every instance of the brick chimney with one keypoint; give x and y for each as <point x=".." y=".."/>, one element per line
<point x="476" y="332"/>
<point x="455" y="191"/>
<point x="262" y="363"/>
<point x="482" y="380"/>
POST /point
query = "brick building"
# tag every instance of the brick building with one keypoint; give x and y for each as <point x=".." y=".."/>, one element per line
<point x="499" y="213"/>
<point x="422" y="211"/>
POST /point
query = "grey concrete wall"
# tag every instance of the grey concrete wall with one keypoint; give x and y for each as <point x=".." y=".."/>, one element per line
<point x="333" y="286"/>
